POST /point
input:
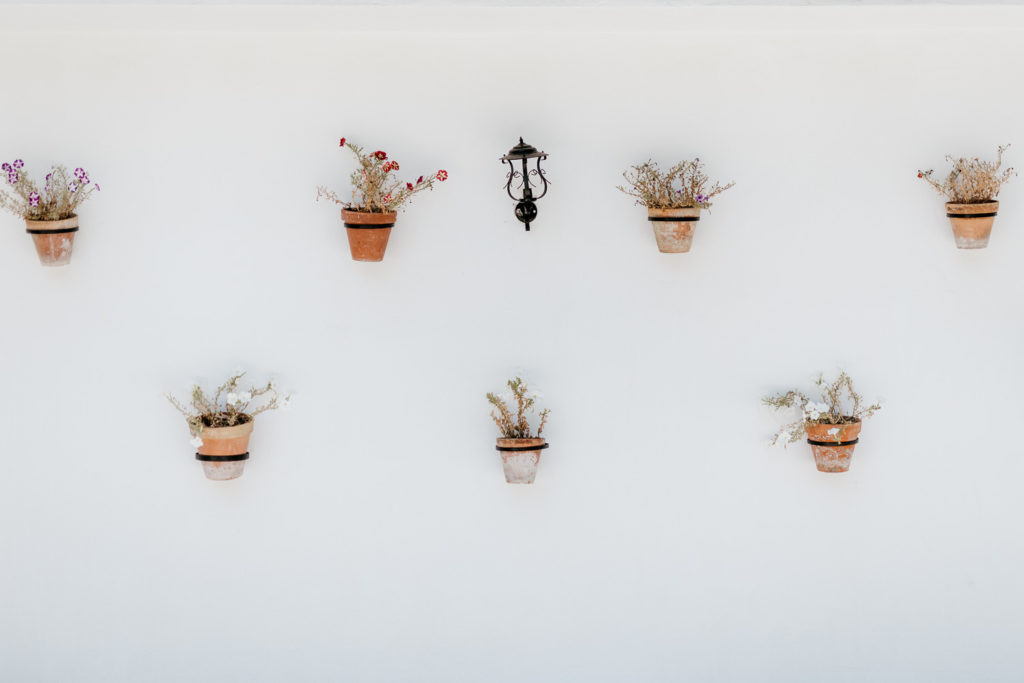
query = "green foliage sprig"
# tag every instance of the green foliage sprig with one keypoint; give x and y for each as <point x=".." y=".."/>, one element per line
<point x="514" y="425"/>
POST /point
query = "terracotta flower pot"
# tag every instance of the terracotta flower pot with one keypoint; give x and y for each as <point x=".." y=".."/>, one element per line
<point x="519" y="458"/>
<point x="832" y="452"/>
<point x="368" y="233"/>
<point x="972" y="223"/>
<point x="673" y="228"/>
<point x="53" y="239"/>
<point x="224" y="451"/>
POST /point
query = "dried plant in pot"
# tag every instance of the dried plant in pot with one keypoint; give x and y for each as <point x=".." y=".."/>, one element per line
<point x="832" y="427"/>
<point x="222" y="423"/>
<point x="971" y="189"/>
<point x="518" y="446"/>
<point x="50" y="212"/>
<point x="674" y="199"/>
<point x="377" y="196"/>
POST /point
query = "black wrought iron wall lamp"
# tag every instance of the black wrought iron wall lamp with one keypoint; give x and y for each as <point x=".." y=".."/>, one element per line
<point x="526" y="208"/>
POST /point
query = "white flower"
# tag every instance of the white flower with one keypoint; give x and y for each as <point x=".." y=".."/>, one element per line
<point x="245" y="397"/>
<point x="232" y="398"/>
<point x="196" y="442"/>
<point x="813" y="411"/>
<point x="783" y="437"/>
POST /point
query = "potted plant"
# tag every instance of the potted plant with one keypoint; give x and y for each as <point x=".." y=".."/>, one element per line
<point x="971" y="189"/>
<point x="673" y="199"/>
<point x="49" y="213"/>
<point x="831" y="426"/>
<point x="377" y="195"/>
<point x="518" y="446"/>
<point x="221" y="425"/>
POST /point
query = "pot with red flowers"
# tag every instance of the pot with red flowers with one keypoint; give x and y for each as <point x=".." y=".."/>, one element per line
<point x="832" y="426"/>
<point x="377" y="195"/>
<point x="49" y="212"/>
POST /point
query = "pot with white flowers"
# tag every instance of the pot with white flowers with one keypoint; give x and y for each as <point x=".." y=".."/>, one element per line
<point x="832" y="426"/>
<point x="971" y="189"/>
<point x="377" y="196"/>
<point x="518" y="446"/>
<point x="674" y="199"/>
<point x="49" y="213"/>
<point x="222" y="423"/>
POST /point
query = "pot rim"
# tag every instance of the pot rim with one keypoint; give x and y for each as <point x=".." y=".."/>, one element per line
<point x="232" y="432"/>
<point x="977" y="205"/>
<point x="72" y="217"/>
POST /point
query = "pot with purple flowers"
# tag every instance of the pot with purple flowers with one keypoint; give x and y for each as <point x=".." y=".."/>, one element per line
<point x="674" y="199"/>
<point x="49" y="212"/>
<point x="377" y="195"/>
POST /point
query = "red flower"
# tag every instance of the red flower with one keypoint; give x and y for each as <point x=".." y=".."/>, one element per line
<point x="920" y="175"/>
<point x="420" y="180"/>
<point x="390" y="166"/>
<point x="342" y="143"/>
<point x="381" y="156"/>
<point x="442" y="175"/>
<point x="386" y="198"/>
<point x="409" y="186"/>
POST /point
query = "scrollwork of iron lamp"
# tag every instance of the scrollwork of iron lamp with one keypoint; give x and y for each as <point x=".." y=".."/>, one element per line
<point x="526" y="208"/>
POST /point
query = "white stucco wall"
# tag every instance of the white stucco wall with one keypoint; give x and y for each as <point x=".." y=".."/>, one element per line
<point x="372" y="537"/>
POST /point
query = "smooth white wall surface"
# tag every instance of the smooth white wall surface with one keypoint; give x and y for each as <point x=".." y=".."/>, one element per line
<point x="372" y="537"/>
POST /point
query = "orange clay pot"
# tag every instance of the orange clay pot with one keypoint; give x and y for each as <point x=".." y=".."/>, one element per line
<point x="829" y="455"/>
<point x="368" y="233"/>
<point x="519" y="458"/>
<point x="53" y="239"/>
<point x="223" y="450"/>
<point x="673" y="228"/>
<point x="972" y="223"/>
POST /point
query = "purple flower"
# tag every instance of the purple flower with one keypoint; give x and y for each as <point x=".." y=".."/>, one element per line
<point x="48" y="175"/>
<point x="97" y="186"/>
<point x="18" y="163"/>
<point x="79" y="173"/>
<point x="7" y="167"/>
<point x="33" y="199"/>
<point x="72" y="187"/>
<point x="85" y="180"/>
<point x="12" y="177"/>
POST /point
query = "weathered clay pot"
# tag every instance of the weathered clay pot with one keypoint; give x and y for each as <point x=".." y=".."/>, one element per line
<point x="224" y="451"/>
<point x="673" y="228"/>
<point x="520" y="458"/>
<point x="53" y="239"/>
<point x="832" y="452"/>
<point x="972" y="223"/>
<point x="368" y="233"/>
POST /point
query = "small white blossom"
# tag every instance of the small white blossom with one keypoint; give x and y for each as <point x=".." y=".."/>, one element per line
<point x="245" y="397"/>
<point x="232" y="398"/>
<point x="196" y="442"/>
<point x="814" y="410"/>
